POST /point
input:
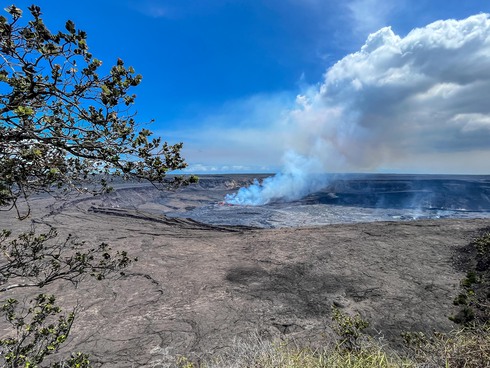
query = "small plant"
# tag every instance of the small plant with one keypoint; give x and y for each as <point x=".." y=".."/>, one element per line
<point x="470" y="279"/>
<point x="349" y="329"/>
<point x="464" y="316"/>
<point x="461" y="299"/>
<point x="184" y="362"/>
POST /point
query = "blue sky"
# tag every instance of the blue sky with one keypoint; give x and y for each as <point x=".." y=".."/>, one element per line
<point x="241" y="82"/>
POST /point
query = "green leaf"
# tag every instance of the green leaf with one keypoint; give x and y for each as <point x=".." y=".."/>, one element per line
<point x="24" y="110"/>
<point x="70" y="26"/>
<point x="14" y="11"/>
<point x="105" y="89"/>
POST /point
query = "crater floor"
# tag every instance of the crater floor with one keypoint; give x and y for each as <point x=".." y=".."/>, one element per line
<point x="197" y="287"/>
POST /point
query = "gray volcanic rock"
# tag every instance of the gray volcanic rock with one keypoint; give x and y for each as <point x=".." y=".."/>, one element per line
<point x="196" y="287"/>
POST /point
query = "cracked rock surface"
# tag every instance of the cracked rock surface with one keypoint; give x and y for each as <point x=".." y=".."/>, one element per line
<point x="196" y="287"/>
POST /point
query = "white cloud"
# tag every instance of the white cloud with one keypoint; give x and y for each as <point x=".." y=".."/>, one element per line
<point x="401" y="97"/>
<point x="369" y="15"/>
<point x="472" y="122"/>
<point x="225" y="169"/>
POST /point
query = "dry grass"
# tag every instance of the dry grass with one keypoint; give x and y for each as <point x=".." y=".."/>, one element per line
<point x="271" y="355"/>
<point x="255" y="352"/>
<point x="465" y="348"/>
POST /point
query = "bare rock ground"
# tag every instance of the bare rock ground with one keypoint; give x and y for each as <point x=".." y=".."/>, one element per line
<point x="197" y="287"/>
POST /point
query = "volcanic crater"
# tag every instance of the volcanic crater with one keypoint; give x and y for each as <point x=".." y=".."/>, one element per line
<point x="208" y="273"/>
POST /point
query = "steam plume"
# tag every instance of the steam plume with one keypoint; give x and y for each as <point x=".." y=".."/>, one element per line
<point x="417" y="103"/>
<point x="300" y="176"/>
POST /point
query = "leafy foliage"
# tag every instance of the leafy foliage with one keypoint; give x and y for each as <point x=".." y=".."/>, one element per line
<point x="62" y="123"/>
<point x="36" y="260"/>
<point x="39" y="332"/>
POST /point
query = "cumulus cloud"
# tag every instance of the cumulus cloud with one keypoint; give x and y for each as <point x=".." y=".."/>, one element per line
<point x="398" y="96"/>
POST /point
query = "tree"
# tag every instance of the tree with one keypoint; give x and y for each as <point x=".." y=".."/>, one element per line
<point x="64" y="126"/>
